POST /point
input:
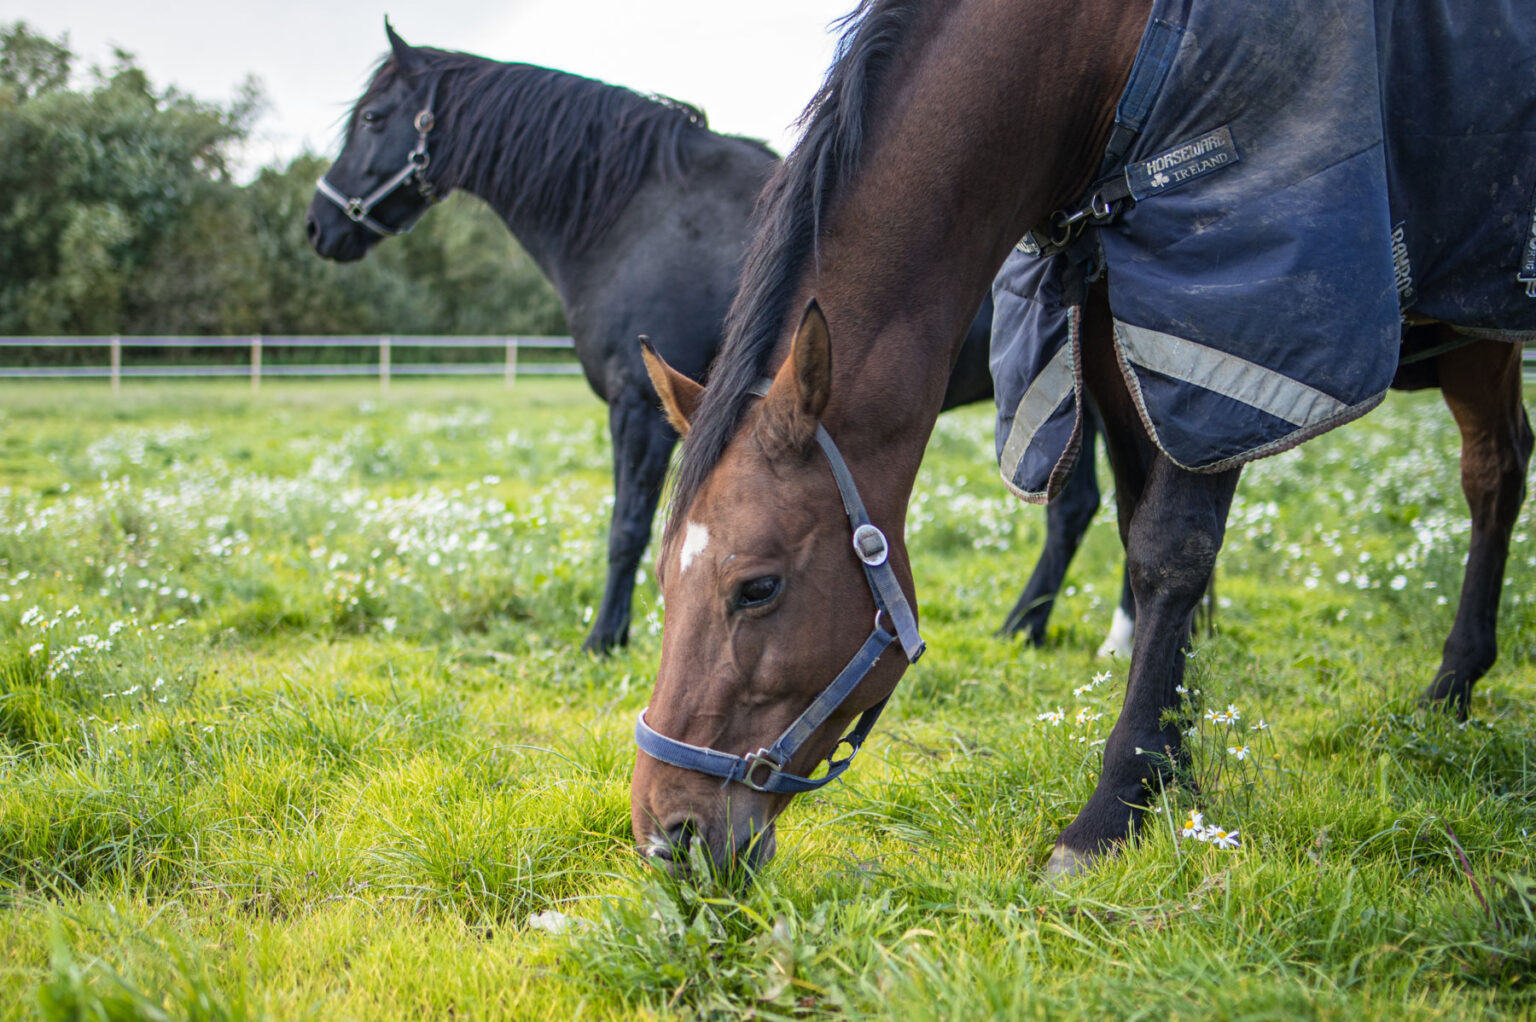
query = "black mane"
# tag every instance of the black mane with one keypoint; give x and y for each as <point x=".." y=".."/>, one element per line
<point x="550" y="149"/>
<point x="788" y="225"/>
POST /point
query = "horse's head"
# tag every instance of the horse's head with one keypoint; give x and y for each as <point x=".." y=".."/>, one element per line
<point x="766" y="602"/>
<point x="380" y="184"/>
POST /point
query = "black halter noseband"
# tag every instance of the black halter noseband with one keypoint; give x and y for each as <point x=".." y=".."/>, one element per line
<point x="359" y="210"/>
<point x="763" y="770"/>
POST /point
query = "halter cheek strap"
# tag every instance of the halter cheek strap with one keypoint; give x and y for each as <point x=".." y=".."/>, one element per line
<point x="763" y="770"/>
<point x="360" y="209"/>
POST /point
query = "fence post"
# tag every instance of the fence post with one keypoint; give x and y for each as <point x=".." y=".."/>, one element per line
<point x="256" y="362"/>
<point x="117" y="363"/>
<point x="511" y="362"/>
<point x="383" y="363"/>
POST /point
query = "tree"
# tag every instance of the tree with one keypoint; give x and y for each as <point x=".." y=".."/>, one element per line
<point x="119" y="214"/>
<point x="95" y="185"/>
<point x="30" y="64"/>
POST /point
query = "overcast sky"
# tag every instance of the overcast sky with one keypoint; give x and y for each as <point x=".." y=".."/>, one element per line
<point x="751" y="66"/>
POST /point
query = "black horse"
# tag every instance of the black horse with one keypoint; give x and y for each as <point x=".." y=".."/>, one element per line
<point x="639" y="215"/>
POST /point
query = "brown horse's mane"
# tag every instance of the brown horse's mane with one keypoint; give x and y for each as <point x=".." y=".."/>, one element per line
<point x="787" y="226"/>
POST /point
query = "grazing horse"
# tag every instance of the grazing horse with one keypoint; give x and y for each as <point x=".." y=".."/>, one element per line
<point x="639" y="215"/>
<point x="946" y="131"/>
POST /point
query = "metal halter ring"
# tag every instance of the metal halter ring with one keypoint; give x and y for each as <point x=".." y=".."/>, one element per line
<point x="871" y="545"/>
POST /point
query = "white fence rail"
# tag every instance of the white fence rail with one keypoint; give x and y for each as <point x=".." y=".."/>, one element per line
<point x="260" y="364"/>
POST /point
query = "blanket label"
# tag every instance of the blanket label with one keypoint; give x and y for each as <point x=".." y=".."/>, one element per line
<point x="1182" y="164"/>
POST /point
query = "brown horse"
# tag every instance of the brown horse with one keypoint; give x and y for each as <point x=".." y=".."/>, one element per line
<point x="946" y="130"/>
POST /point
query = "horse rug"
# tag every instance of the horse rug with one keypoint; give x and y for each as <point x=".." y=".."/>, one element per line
<point x="1296" y="180"/>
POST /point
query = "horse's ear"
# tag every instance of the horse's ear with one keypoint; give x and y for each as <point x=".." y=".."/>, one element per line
<point x="405" y="57"/>
<point x="679" y="395"/>
<point x="795" y="401"/>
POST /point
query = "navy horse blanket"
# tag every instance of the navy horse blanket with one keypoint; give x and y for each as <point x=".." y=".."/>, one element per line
<point x="1288" y="184"/>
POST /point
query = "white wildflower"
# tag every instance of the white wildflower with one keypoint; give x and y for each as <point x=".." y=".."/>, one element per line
<point x="1222" y="838"/>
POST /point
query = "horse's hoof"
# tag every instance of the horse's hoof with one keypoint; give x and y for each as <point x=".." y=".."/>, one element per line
<point x="599" y="645"/>
<point x="1067" y="862"/>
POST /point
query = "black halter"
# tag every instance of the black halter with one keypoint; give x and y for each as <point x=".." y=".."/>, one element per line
<point x="763" y="770"/>
<point x="414" y="172"/>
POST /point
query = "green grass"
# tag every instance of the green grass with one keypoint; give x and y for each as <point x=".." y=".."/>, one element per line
<point x="293" y="724"/>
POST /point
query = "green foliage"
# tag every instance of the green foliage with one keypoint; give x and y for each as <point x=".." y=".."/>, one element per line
<point x="299" y="728"/>
<point x="118" y="214"/>
<point x="31" y="64"/>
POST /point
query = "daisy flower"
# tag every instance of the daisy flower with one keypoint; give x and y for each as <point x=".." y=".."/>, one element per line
<point x="1240" y="751"/>
<point x="1227" y="716"/>
<point x="1052" y="717"/>
<point x="1222" y="838"/>
<point x="1194" y="826"/>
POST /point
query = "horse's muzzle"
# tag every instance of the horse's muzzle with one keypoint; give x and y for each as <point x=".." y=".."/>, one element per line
<point x="689" y="844"/>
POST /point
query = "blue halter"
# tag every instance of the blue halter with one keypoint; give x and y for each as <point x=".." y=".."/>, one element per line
<point x="763" y="770"/>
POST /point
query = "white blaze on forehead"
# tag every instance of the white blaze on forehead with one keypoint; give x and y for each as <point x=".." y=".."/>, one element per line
<point x="695" y="539"/>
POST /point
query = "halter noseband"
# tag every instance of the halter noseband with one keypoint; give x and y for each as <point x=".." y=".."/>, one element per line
<point x="414" y="172"/>
<point x="763" y="770"/>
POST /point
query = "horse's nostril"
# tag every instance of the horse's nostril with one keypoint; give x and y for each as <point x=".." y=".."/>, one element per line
<point x="672" y="844"/>
<point x="681" y="835"/>
<point x="311" y="228"/>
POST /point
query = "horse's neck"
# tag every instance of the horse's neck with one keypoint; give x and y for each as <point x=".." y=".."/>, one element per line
<point x="547" y="245"/>
<point x="1002" y="119"/>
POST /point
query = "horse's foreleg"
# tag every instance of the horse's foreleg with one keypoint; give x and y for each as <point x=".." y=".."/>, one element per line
<point x="642" y="445"/>
<point x="1066" y="521"/>
<point x="1482" y="385"/>
<point x="1172" y="523"/>
<point x="1175" y="534"/>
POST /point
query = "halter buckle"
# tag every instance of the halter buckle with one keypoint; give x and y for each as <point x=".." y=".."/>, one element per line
<point x="871" y="545"/>
<point x="762" y="757"/>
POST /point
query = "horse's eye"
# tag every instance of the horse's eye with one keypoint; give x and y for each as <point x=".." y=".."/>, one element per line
<point x="758" y="591"/>
<point x="371" y="117"/>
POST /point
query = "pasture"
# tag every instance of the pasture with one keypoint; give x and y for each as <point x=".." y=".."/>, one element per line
<point x="294" y="724"/>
